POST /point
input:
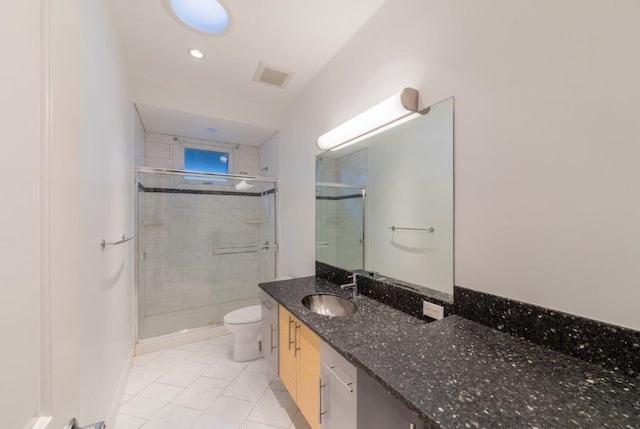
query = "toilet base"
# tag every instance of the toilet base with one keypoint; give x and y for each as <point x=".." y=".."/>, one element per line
<point x="246" y="349"/>
<point x="246" y="344"/>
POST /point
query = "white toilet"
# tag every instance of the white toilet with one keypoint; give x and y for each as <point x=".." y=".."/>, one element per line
<point x="244" y="324"/>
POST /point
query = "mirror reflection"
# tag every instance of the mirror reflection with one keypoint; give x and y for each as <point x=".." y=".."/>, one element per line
<point x="385" y="204"/>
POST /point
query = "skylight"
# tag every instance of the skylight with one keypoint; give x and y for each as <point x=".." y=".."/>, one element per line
<point x="207" y="16"/>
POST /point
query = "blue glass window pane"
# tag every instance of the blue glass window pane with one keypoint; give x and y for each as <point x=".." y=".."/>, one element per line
<point x="207" y="161"/>
<point x="208" y="16"/>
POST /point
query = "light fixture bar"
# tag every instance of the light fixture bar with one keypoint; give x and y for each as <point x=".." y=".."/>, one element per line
<point x="381" y="116"/>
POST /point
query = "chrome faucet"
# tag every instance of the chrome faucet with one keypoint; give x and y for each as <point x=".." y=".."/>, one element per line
<point x="353" y="285"/>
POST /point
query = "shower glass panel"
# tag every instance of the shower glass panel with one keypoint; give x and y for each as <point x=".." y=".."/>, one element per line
<point x="340" y="230"/>
<point x="204" y="245"/>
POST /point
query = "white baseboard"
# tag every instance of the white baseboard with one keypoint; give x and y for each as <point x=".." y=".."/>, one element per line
<point x="122" y="384"/>
<point x="180" y="338"/>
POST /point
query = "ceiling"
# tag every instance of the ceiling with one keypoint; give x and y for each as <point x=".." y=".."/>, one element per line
<point x="297" y="35"/>
<point x="166" y="121"/>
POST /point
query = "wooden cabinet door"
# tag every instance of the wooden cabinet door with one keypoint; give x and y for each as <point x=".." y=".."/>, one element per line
<point x="308" y="388"/>
<point x="286" y="359"/>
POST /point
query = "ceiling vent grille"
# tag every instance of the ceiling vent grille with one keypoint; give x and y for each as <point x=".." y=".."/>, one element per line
<point x="272" y="76"/>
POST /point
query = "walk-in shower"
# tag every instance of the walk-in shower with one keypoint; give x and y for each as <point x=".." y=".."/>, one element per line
<point x="205" y="242"/>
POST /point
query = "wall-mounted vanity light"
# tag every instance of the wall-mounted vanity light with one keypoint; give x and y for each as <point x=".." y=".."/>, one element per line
<point x="389" y="113"/>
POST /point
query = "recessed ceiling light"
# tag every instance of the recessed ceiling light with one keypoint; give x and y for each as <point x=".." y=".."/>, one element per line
<point x="212" y="130"/>
<point x="196" y="53"/>
<point x="205" y="16"/>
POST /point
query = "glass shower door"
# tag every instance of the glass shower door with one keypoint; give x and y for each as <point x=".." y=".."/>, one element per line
<point x="340" y="225"/>
<point x="204" y="245"/>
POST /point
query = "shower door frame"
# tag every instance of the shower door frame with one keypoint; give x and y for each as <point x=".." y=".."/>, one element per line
<point x="175" y="172"/>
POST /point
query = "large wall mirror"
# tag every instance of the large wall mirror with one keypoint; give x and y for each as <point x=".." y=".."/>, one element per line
<point x="385" y="204"/>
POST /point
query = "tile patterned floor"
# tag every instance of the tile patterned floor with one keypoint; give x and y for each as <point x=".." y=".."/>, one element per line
<point x="199" y="386"/>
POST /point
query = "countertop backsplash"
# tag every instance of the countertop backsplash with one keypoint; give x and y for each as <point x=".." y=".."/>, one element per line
<point x="613" y="347"/>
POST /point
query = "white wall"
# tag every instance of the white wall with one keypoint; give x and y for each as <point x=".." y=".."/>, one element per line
<point x="162" y="94"/>
<point x="106" y="210"/>
<point x="91" y="197"/>
<point x="547" y="96"/>
<point x="20" y="213"/>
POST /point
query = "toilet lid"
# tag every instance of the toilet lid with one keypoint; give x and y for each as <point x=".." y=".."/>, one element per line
<point x="244" y="315"/>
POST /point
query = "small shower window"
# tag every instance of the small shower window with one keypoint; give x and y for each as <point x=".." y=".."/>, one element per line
<point x="207" y="161"/>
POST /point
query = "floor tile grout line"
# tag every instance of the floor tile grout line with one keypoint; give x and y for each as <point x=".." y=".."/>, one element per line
<point x="236" y="399"/>
<point x="199" y="375"/>
<point x="253" y="408"/>
<point x="157" y="412"/>
<point x="261" y="396"/>
<point x="271" y="375"/>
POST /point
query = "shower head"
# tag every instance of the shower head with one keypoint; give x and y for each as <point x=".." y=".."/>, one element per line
<point x="243" y="186"/>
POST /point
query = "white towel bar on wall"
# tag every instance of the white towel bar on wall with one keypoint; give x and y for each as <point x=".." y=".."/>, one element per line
<point x="104" y="243"/>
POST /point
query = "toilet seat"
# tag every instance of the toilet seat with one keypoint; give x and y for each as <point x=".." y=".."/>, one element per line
<point x="244" y="316"/>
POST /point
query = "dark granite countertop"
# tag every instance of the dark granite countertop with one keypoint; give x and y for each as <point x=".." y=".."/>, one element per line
<point x="455" y="373"/>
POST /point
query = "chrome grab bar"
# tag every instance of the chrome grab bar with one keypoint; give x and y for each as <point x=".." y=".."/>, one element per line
<point x="104" y="243"/>
<point x="330" y="368"/>
<point x="244" y="249"/>
<point x="321" y="244"/>
<point x="395" y="228"/>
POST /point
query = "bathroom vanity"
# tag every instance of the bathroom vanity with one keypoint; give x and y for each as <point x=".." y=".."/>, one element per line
<point x="451" y="373"/>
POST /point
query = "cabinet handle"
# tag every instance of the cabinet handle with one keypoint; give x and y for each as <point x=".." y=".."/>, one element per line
<point x="289" y="332"/>
<point x="330" y="368"/>
<point x="271" y="341"/>
<point x="320" y="412"/>
<point x="295" y="339"/>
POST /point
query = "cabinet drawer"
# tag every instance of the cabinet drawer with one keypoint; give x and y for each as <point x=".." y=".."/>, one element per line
<point x="341" y="372"/>
<point x="378" y="409"/>
<point x="337" y="413"/>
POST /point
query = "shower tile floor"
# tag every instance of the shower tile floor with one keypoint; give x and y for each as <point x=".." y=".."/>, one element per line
<point x="199" y="386"/>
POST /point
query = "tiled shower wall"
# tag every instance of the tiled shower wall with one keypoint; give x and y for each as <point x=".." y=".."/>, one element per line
<point x="341" y="221"/>
<point x="179" y="231"/>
